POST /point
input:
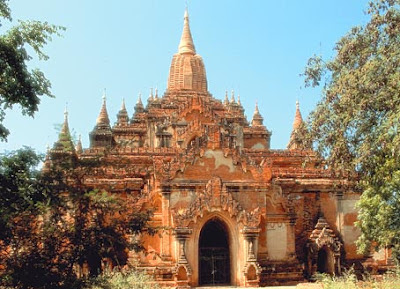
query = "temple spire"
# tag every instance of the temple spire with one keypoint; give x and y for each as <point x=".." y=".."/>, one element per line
<point x="101" y="135"/>
<point x="257" y="118"/>
<point x="298" y="120"/>
<point x="103" y="115"/>
<point x="65" y="126"/>
<point x="123" y="107"/>
<point x="139" y="100"/>
<point x="78" y="147"/>
<point x="233" y="96"/>
<point x="64" y="143"/>
<point x="295" y="141"/>
<point x="226" y="100"/>
<point x="186" y="45"/>
<point x="139" y="105"/>
<point x="122" y="116"/>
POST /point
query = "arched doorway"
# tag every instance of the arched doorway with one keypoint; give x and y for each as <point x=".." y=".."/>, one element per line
<point x="214" y="257"/>
<point x="325" y="261"/>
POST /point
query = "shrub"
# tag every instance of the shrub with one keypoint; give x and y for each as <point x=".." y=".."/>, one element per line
<point x="122" y="280"/>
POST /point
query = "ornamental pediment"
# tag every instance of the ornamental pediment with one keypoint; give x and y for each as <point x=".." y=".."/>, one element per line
<point x="215" y="197"/>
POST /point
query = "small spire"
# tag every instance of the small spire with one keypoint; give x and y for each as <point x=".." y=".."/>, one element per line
<point x="123" y="105"/>
<point x="257" y="118"/>
<point x="298" y="120"/>
<point x="295" y="141"/>
<point x="103" y="115"/>
<point x="122" y="115"/>
<point x="238" y="100"/>
<point x="151" y="94"/>
<point x="226" y="100"/>
<point x="64" y="142"/>
<point x="186" y="45"/>
<point x="139" y="105"/>
<point x="233" y="96"/>
<point x="78" y="147"/>
<point x="256" y="111"/>
<point x="139" y="101"/>
<point x="65" y="126"/>
<point x="156" y="94"/>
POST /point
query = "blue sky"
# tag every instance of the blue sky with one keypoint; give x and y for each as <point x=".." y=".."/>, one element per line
<point x="256" y="48"/>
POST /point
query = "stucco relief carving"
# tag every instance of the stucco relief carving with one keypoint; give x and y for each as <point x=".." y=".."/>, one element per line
<point x="276" y="199"/>
<point x="216" y="197"/>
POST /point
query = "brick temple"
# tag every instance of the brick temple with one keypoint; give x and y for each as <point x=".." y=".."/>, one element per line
<point x="234" y="211"/>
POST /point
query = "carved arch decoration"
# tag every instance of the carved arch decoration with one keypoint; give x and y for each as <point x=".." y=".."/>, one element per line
<point x="323" y="238"/>
<point x="216" y="197"/>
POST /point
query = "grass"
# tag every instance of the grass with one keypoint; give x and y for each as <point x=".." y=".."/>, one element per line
<point x="390" y="280"/>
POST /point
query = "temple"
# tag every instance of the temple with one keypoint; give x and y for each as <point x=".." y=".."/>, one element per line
<point x="234" y="211"/>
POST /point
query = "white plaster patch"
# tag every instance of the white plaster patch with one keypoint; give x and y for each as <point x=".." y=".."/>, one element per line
<point x="349" y="206"/>
<point x="220" y="160"/>
<point x="258" y="146"/>
<point x="350" y="234"/>
<point x="277" y="241"/>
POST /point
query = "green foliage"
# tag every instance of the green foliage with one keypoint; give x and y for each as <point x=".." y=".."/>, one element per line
<point x="121" y="280"/>
<point x="50" y="222"/>
<point x="19" y="195"/>
<point x="19" y="84"/>
<point x="390" y="280"/>
<point x="347" y="281"/>
<point x="355" y="126"/>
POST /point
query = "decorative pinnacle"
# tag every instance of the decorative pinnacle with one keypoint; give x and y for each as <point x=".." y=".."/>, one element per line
<point x="226" y="100"/>
<point x="103" y="115"/>
<point x="256" y="111"/>
<point x="139" y="101"/>
<point x="123" y="104"/>
<point x="151" y="94"/>
<point x="257" y="118"/>
<point x="65" y="127"/>
<point x="232" y="96"/>
<point x="297" y="118"/>
<point x="186" y="45"/>
<point x="156" y="93"/>
<point x="238" y="100"/>
<point x="78" y="147"/>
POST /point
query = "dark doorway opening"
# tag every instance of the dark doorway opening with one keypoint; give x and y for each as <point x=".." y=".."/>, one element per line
<point x="325" y="261"/>
<point x="214" y="258"/>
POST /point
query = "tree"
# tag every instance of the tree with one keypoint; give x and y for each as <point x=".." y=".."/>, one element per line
<point x="19" y="84"/>
<point x="50" y="222"/>
<point x="356" y="124"/>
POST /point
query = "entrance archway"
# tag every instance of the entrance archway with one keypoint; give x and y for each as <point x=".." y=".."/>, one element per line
<point x="325" y="261"/>
<point x="214" y="255"/>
